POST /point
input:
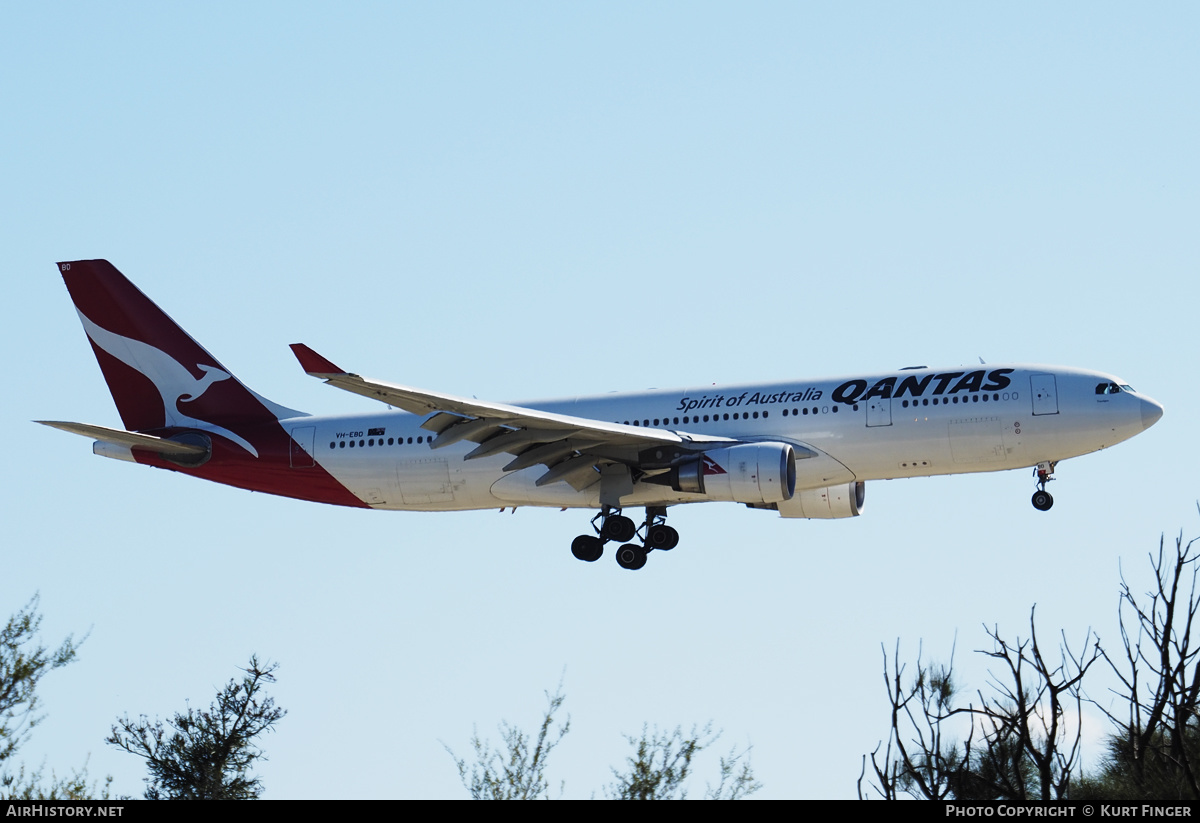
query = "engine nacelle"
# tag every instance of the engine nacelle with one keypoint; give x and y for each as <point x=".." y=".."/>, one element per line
<point x="828" y="503"/>
<point x="748" y="473"/>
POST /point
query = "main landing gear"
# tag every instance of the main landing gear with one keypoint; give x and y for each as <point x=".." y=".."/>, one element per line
<point x="1042" y="500"/>
<point x="614" y="526"/>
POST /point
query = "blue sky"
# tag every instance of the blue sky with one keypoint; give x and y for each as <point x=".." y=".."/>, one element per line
<point x="540" y="200"/>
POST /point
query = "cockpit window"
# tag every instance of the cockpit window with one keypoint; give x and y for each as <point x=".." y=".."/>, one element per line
<point x="1110" y="388"/>
<point x="1128" y="388"/>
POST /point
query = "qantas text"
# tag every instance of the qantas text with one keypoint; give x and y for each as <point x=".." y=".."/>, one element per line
<point x="915" y="385"/>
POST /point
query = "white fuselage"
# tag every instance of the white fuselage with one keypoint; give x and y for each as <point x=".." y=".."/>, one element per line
<point x="909" y="423"/>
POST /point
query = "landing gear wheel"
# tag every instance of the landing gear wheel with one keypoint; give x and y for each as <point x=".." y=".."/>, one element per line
<point x="587" y="548"/>
<point x="618" y="528"/>
<point x="1042" y="501"/>
<point x="631" y="556"/>
<point x="661" y="537"/>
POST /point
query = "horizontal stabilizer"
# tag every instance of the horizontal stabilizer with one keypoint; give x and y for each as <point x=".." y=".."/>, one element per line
<point x="130" y="439"/>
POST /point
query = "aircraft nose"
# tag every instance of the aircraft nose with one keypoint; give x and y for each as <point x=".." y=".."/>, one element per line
<point x="1151" y="412"/>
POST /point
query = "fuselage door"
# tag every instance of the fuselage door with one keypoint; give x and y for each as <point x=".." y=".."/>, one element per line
<point x="301" y="450"/>
<point x="879" y="411"/>
<point x="1045" y="393"/>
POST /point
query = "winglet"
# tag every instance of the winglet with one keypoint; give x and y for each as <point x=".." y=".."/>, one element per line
<point x="313" y="363"/>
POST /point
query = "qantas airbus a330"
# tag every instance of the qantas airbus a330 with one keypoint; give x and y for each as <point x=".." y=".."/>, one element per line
<point x="802" y="448"/>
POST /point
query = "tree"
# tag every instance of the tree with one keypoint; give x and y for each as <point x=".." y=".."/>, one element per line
<point x="206" y="755"/>
<point x="1024" y="750"/>
<point x="33" y="786"/>
<point x="517" y="770"/>
<point x="1154" y="752"/>
<point x="24" y="661"/>
<point x="662" y="763"/>
<point x="658" y="769"/>
<point x="928" y="770"/>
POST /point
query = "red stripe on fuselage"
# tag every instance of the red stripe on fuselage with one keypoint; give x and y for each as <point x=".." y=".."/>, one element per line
<point x="271" y="472"/>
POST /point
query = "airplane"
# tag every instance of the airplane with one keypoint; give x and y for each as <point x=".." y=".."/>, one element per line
<point x="801" y="448"/>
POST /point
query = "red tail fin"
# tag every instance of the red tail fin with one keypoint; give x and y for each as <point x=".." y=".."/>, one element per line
<point x="158" y="375"/>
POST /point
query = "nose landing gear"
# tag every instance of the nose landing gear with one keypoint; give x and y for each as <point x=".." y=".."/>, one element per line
<point x="1042" y="499"/>
<point x="614" y="526"/>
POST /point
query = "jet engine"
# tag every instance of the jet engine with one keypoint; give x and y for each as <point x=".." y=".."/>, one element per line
<point x="827" y="503"/>
<point x="747" y="473"/>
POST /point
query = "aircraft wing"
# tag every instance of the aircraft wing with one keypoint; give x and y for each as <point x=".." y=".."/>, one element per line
<point x="571" y="448"/>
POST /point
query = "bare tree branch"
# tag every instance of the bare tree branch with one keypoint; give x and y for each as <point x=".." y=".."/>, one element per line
<point x="1025" y="749"/>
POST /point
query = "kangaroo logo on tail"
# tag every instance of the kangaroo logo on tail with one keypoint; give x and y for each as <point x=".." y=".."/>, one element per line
<point x="175" y="383"/>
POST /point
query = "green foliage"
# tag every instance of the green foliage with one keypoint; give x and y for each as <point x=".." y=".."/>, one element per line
<point x="1157" y="777"/>
<point x="24" y="661"/>
<point x="516" y="770"/>
<point x="76" y="786"/>
<point x="662" y="763"/>
<point x="658" y="769"/>
<point x="206" y="755"/>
